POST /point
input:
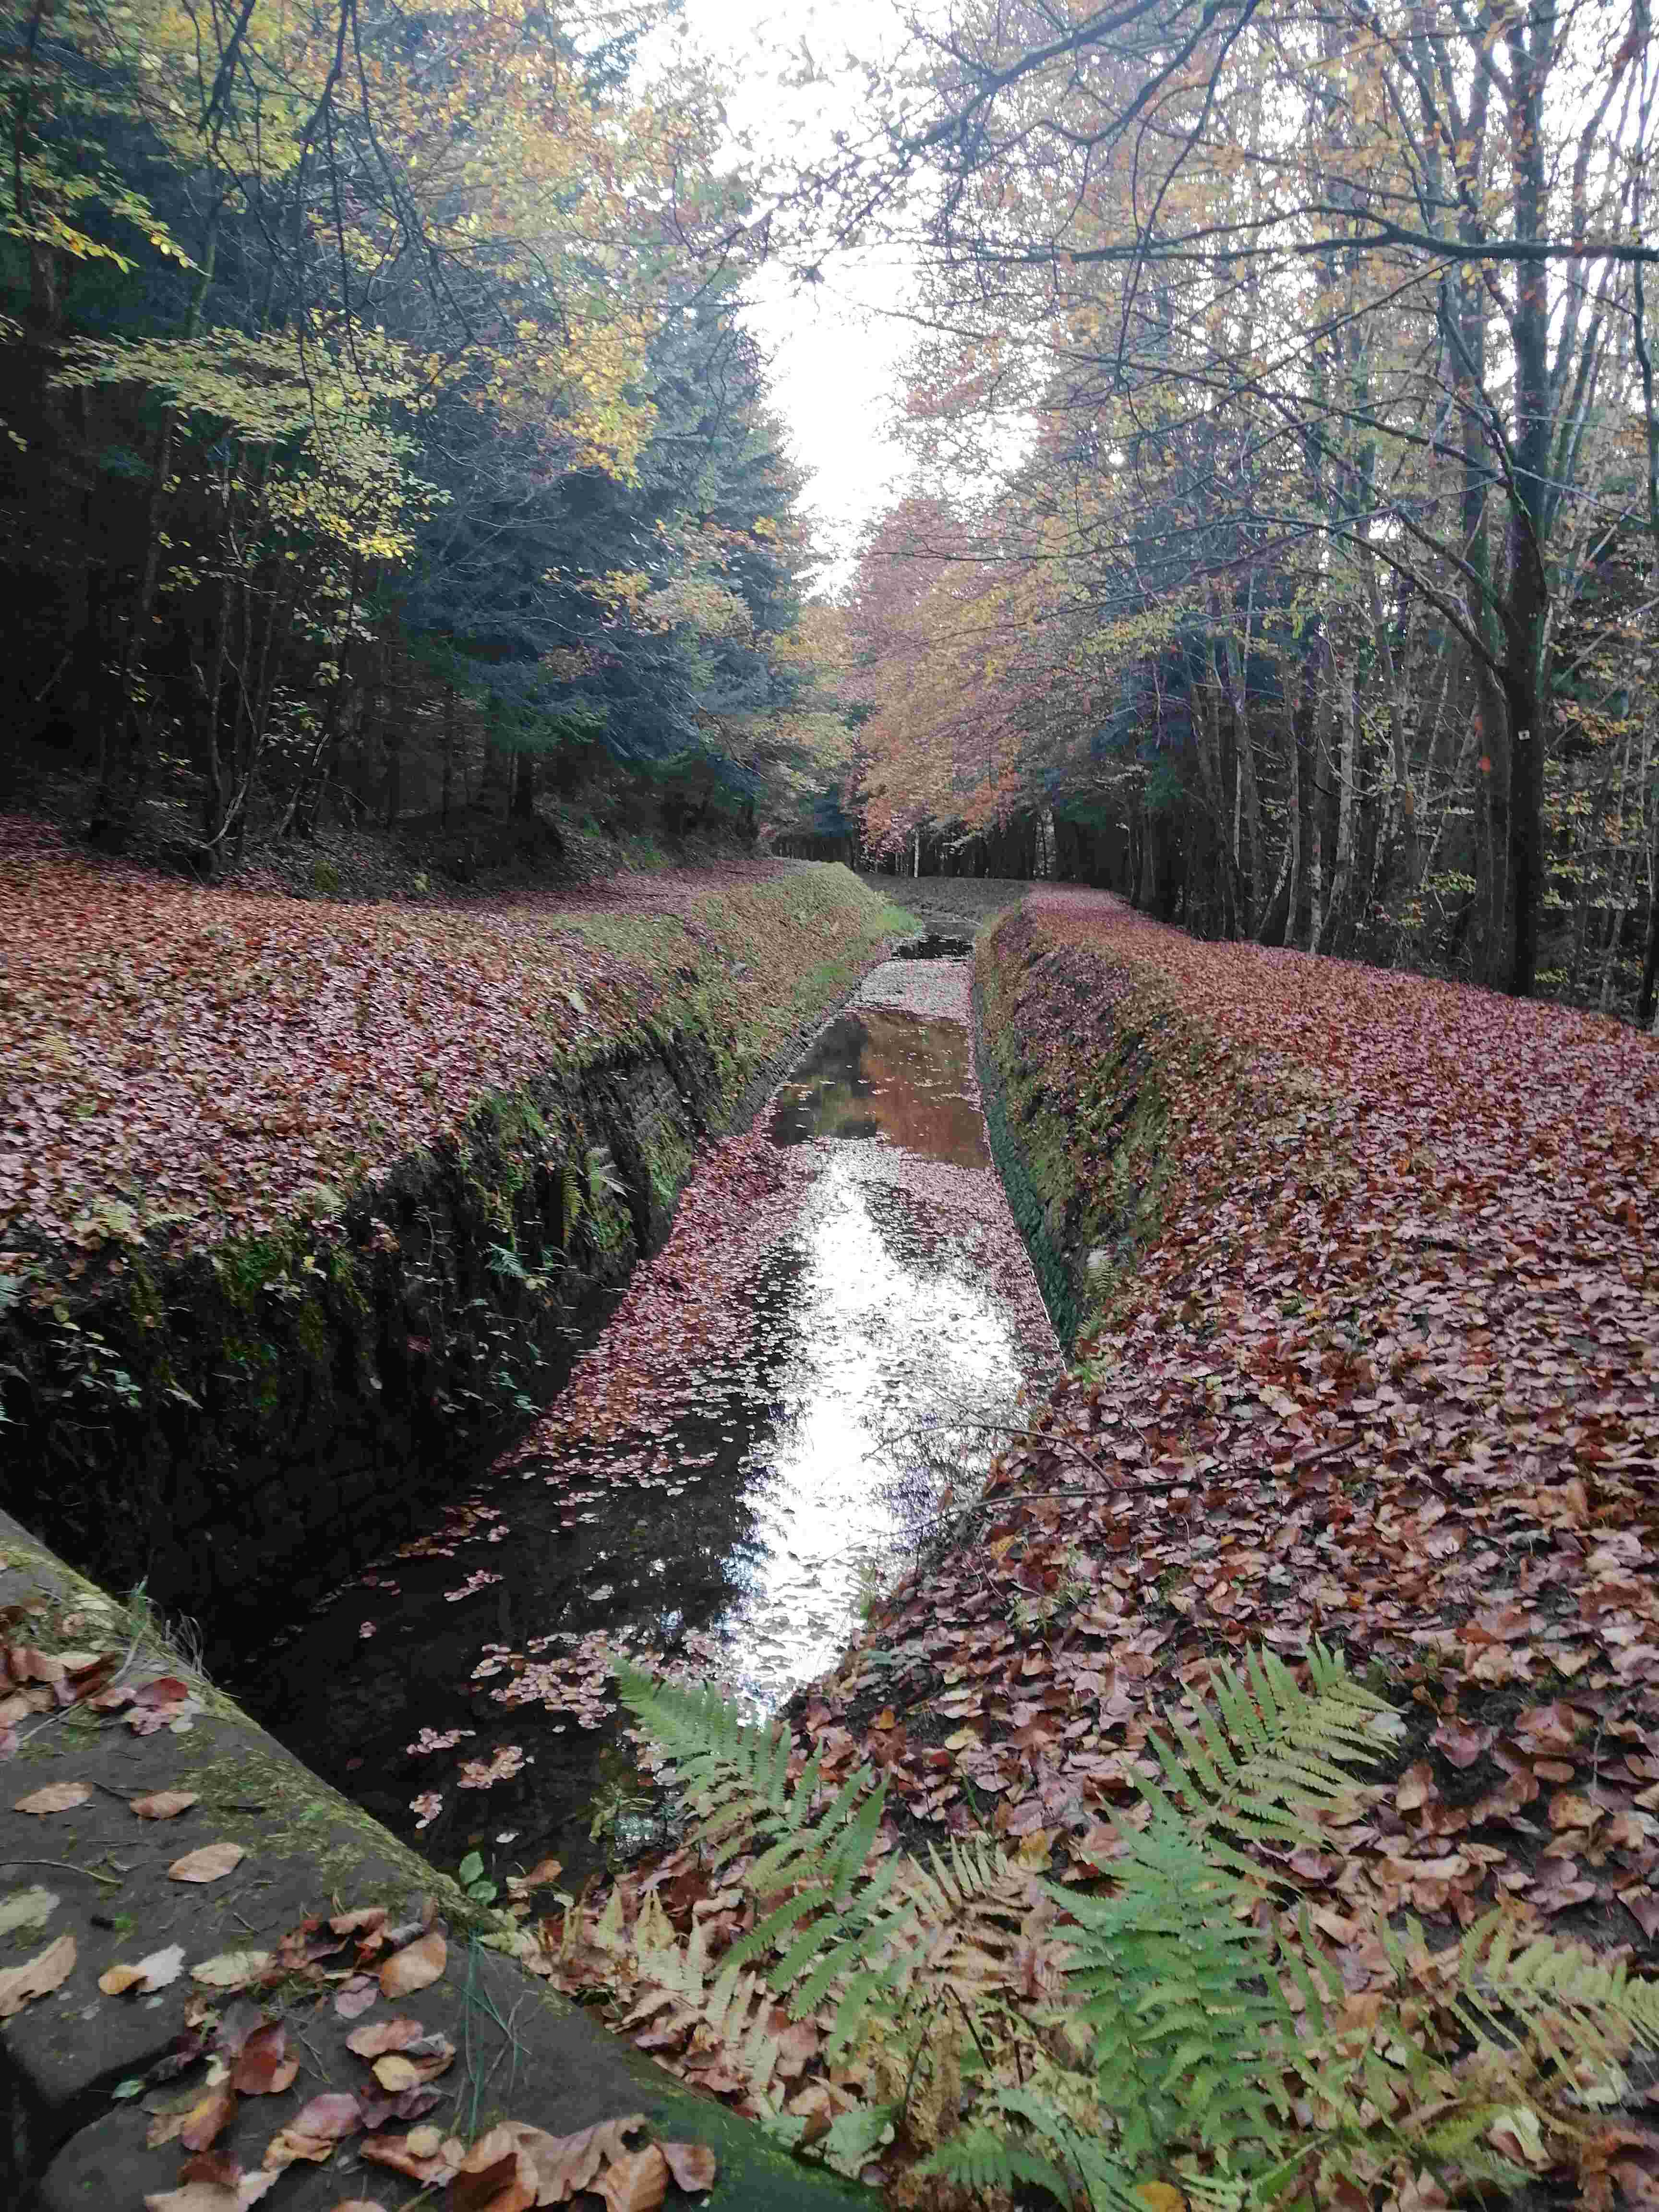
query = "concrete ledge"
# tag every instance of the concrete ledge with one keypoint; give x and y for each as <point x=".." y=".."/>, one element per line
<point x="522" y="2052"/>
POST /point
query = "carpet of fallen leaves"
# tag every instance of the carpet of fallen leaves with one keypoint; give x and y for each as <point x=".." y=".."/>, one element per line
<point x="1388" y="1377"/>
<point x="191" y="1062"/>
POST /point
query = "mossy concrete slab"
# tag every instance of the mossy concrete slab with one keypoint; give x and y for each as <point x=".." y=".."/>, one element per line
<point x="522" y="2052"/>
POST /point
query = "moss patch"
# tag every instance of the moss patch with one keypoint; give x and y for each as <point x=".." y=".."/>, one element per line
<point x="1073" y="1068"/>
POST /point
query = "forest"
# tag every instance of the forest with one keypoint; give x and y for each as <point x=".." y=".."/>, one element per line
<point x="1281" y="548"/>
<point x="380" y="438"/>
<point x="384" y="442"/>
<point x="806" y="1321"/>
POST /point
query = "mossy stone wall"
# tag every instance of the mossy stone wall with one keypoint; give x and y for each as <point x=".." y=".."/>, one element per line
<point x="1071" y="1072"/>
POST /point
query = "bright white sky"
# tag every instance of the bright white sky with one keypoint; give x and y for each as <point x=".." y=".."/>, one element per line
<point x="835" y="348"/>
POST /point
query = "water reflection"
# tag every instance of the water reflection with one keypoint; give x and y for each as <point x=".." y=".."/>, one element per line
<point x="783" y="1434"/>
<point x="879" y="1072"/>
<point x="890" y="1339"/>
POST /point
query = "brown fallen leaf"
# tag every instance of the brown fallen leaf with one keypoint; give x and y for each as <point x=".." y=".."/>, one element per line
<point x="1463" y="1743"/>
<point x="56" y="1797"/>
<point x="563" y="2165"/>
<point x="493" y="2177"/>
<point x="211" y="1864"/>
<point x="356" y="1995"/>
<point x="416" y="1966"/>
<point x="693" y="2165"/>
<point x="265" y="2068"/>
<point x="162" y="1690"/>
<point x="37" y="1976"/>
<point x="425" y="2154"/>
<point x="416" y="2065"/>
<point x="163" y="1804"/>
<point x="367" y="1921"/>
<point x="637" y="2183"/>
<point x="210" y="2183"/>
<point x="231" y="1970"/>
<point x="1414" y="1789"/>
<point x="147" y="1975"/>
<point x="383" y="2035"/>
<point x="211" y="2166"/>
<point x="314" y="2130"/>
<point x="195" y="2120"/>
<point x="540" y="1876"/>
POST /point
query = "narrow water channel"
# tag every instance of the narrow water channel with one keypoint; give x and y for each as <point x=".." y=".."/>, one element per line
<point x="758" y="1440"/>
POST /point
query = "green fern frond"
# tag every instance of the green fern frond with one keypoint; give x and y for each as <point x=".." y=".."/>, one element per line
<point x="1574" y="2007"/>
<point x="1264" y="1750"/>
<point x="1140" y="2033"/>
<point x="989" y="2159"/>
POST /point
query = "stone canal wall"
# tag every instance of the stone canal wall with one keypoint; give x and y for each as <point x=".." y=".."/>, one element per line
<point x="84" y="2073"/>
<point x="1073" y="1069"/>
<point x="258" y="1416"/>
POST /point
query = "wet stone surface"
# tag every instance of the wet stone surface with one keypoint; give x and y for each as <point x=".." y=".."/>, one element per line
<point x="764" y="1430"/>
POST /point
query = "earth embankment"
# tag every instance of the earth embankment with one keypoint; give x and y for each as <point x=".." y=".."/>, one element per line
<point x="299" y="1199"/>
<point x="1361" y="1271"/>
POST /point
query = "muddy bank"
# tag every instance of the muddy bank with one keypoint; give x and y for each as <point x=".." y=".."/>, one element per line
<point x="229" y="1423"/>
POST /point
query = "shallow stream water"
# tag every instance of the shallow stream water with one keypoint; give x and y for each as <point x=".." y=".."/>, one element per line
<point x="765" y="1430"/>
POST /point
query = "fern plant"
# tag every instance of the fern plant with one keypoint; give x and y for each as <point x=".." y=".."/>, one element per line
<point x="1026" y="2034"/>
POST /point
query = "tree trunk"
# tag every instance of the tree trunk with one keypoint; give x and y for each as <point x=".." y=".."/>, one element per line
<point x="1527" y="614"/>
<point x="1348" y="777"/>
<point x="1316" y="811"/>
<point x="524" y="786"/>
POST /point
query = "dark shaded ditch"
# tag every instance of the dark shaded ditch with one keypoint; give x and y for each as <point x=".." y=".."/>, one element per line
<point x="761" y="1433"/>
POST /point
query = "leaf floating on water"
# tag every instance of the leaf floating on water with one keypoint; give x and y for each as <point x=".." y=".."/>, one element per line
<point x="37" y="1976"/>
<point x="211" y="1864"/>
<point x="56" y="1797"/>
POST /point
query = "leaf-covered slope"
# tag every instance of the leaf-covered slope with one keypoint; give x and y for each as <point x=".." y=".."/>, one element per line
<point x="201" y="1063"/>
<point x="1385" y="1370"/>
